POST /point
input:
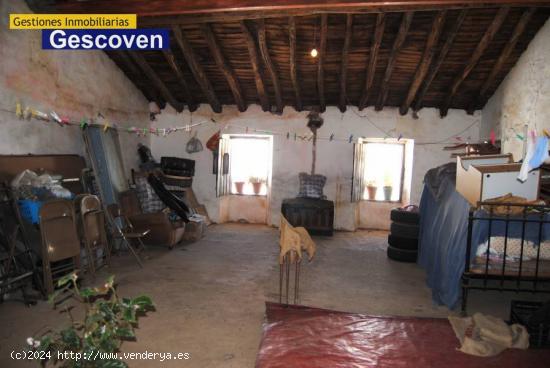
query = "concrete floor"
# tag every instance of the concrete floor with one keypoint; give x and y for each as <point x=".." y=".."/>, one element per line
<point x="210" y="294"/>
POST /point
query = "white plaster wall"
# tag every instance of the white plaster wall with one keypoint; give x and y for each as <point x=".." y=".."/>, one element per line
<point x="72" y="83"/>
<point x="523" y="98"/>
<point x="334" y="159"/>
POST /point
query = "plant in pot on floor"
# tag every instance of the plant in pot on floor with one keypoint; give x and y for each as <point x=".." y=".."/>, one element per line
<point x="372" y="189"/>
<point x="239" y="185"/>
<point x="92" y="342"/>
<point x="257" y="183"/>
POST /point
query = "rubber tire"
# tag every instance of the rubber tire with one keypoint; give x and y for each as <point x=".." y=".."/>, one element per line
<point x="407" y="217"/>
<point x="400" y="243"/>
<point x="408" y="256"/>
<point x="404" y="230"/>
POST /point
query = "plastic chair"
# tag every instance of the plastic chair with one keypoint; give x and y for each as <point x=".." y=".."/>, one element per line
<point x="93" y="230"/>
<point x="124" y="230"/>
<point x="59" y="240"/>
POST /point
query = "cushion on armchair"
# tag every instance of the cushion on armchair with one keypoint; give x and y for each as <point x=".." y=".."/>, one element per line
<point x="148" y="199"/>
<point x="311" y="186"/>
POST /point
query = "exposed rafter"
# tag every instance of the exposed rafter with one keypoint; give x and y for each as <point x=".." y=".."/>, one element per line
<point x="224" y="66"/>
<point x="171" y="60"/>
<point x="425" y="62"/>
<point x="157" y="82"/>
<point x="151" y="94"/>
<point x="344" y="63"/>
<point x="397" y="44"/>
<point x="505" y="54"/>
<point x="292" y="62"/>
<point x="264" y="51"/>
<point x="373" y="57"/>
<point x="440" y="58"/>
<point x="196" y="69"/>
<point x="254" y="60"/>
<point x="478" y="52"/>
<point x="241" y="51"/>
<point x="320" y="62"/>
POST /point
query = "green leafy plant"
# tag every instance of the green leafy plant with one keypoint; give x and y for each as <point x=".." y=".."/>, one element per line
<point x="256" y="179"/>
<point x="108" y="321"/>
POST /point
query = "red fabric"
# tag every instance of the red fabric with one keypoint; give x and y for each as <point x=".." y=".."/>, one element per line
<point x="300" y="337"/>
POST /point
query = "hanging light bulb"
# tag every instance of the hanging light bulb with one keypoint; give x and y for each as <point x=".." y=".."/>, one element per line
<point x="314" y="52"/>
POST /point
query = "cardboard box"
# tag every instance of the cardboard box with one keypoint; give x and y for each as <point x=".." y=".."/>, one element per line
<point x="479" y="178"/>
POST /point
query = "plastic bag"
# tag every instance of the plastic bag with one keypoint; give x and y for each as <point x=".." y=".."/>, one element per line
<point x="26" y="177"/>
<point x="194" y="145"/>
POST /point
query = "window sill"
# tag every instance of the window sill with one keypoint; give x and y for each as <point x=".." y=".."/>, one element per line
<point x="248" y="195"/>
<point x="380" y="201"/>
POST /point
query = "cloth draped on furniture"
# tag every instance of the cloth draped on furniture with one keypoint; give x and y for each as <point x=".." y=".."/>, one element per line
<point x="443" y="236"/>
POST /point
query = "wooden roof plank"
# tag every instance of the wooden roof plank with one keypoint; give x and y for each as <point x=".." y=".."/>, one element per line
<point x="196" y="69"/>
<point x="397" y="45"/>
<point x="422" y="69"/>
<point x="320" y="62"/>
<point x="155" y="80"/>
<point x="440" y="58"/>
<point x="292" y="62"/>
<point x="344" y="63"/>
<point x="476" y="55"/>
<point x="505" y="54"/>
<point x="256" y="69"/>
<point x="224" y="66"/>
<point x="269" y="65"/>
<point x="373" y="57"/>
<point x="171" y="60"/>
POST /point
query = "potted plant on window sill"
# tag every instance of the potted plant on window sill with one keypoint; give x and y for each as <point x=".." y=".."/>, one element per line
<point x="256" y="184"/>
<point x="372" y="189"/>
<point x="388" y="188"/>
<point x="239" y="185"/>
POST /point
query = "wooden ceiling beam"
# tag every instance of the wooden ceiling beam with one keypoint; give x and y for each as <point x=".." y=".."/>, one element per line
<point x="149" y="8"/>
<point x="397" y="45"/>
<point x="256" y="69"/>
<point x="264" y="51"/>
<point x="504" y="55"/>
<point x="293" y="64"/>
<point x="440" y="58"/>
<point x="126" y="60"/>
<point x="171" y="60"/>
<point x="373" y="57"/>
<point x="155" y="80"/>
<point x="196" y="69"/>
<point x="320" y="62"/>
<point x="224" y="66"/>
<point x="344" y="65"/>
<point x="476" y="55"/>
<point x="422" y="69"/>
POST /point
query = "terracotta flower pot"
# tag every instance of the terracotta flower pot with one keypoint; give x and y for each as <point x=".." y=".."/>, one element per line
<point x="239" y="185"/>
<point x="371" y="189"/>
<point x="387" y="192"/>
<point x="257" y="187"/>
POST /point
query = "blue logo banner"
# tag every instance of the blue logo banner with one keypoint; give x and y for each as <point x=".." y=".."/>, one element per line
<point x="106" y="39"/>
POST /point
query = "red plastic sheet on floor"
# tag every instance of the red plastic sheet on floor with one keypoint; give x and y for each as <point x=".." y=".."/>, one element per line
<point x="300" y="337"/>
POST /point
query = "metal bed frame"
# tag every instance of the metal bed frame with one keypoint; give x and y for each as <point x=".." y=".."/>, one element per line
<point x="501" y="281"/>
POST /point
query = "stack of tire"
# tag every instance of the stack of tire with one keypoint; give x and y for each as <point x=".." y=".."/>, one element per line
<point x="403" y="238"/>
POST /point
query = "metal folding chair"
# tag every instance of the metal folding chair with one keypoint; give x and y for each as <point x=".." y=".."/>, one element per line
<point x="93" y="231"/>
<point x="60" y="240"/>
<point x="123" y="229"/>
